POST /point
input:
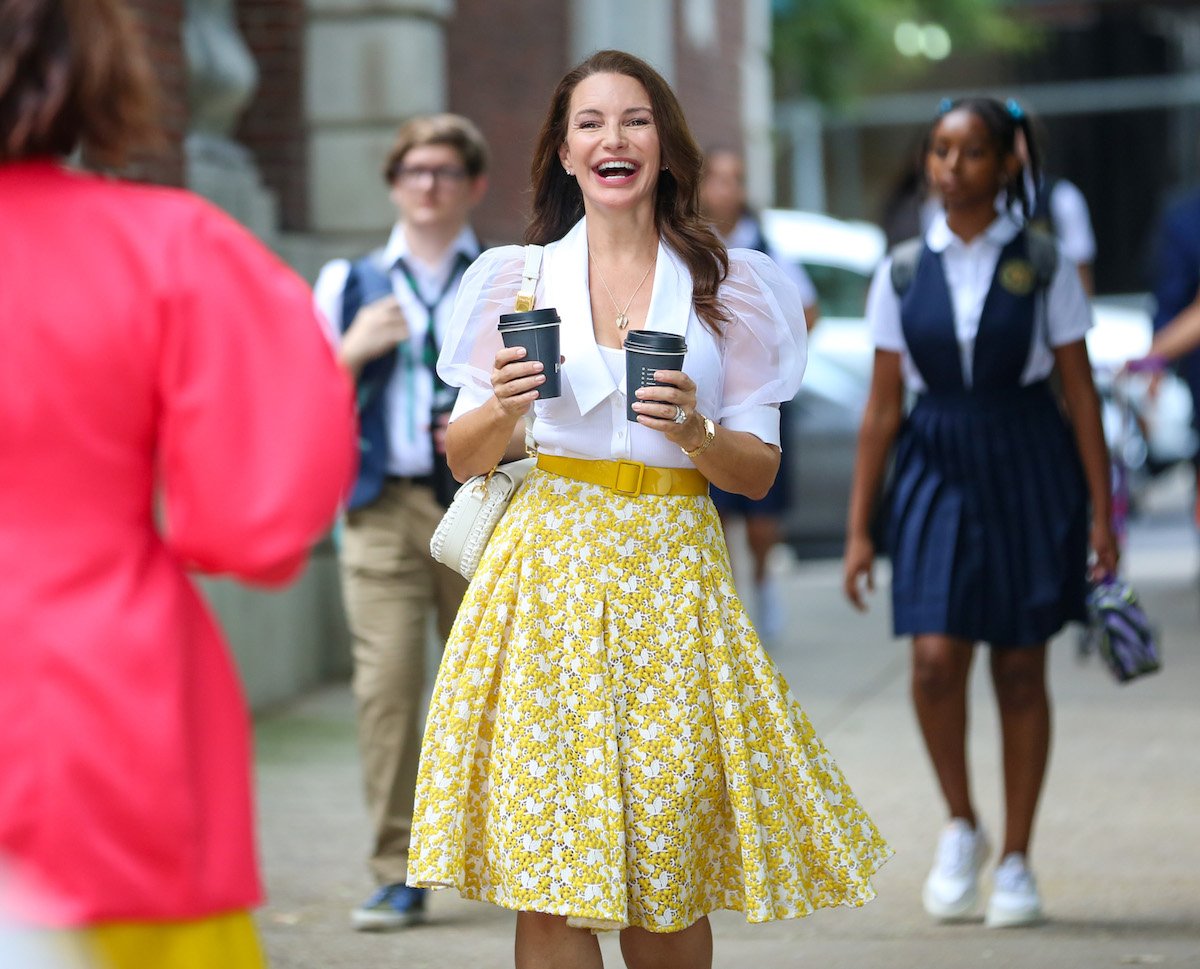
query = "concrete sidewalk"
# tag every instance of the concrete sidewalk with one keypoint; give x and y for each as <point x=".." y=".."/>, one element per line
<point x="1117" y="851"/>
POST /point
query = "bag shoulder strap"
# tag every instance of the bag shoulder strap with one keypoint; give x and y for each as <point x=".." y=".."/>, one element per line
<point x="905" y="256"/>
<point x="529" y="278"/>
<point x="525" y="299"/>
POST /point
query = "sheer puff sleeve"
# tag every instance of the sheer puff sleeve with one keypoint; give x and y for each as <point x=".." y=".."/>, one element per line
<point x="257" y="432"/>
<point x="765" y="344"/>
<point x="488" y="288"/>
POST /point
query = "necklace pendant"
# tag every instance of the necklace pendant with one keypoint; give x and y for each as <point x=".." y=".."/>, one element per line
<point x="622" y="321"/>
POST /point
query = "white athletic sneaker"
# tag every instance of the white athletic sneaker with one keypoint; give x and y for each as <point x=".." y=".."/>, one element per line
<point x="952" y="889"/>
<point x="1015" y="899"/>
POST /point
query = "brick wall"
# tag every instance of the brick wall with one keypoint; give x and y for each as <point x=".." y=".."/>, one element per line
<point x="505" y="88"/>
<point x="160" y="19"/>
<point x="273" y="127"/>
<point x="708" y="81"/>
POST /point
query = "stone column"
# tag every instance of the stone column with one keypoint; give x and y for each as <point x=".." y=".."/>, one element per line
<point x="370" y="65"/>
<point x="222" y="77"/>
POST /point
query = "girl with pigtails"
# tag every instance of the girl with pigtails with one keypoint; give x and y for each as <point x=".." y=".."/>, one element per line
<point x="996" y="493"/>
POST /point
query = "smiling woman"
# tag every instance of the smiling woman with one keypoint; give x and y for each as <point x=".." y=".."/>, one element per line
<point x="633" y="760"/>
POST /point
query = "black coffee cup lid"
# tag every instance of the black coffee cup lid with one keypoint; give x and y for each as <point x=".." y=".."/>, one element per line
<point x="656" y="341"/>
<point x="529" y="317"/>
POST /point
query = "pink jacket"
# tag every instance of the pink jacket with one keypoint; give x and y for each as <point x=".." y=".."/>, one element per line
<point x="156" y="363"/>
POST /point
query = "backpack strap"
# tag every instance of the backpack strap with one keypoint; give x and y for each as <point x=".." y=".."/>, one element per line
<point x="905" y="256"/>
<point x="1042" y="249"/>
<point x="1043" y="255"/>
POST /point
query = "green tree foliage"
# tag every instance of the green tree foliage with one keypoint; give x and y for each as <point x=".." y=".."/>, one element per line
<point x="831" y="50"/>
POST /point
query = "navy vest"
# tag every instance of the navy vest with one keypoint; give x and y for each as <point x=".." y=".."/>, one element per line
<point x="1005" y="328"/>
<point x="368" y="281"/>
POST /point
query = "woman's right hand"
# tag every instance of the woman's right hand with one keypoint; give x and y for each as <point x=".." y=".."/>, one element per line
<point x="858" y="566"/>
<point x="515" y="381"/>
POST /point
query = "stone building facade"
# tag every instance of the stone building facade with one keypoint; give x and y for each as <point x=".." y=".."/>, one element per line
<point x="281" y="112"/>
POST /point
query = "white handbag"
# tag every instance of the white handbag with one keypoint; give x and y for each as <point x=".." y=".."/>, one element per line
<point x="463" y="533"/>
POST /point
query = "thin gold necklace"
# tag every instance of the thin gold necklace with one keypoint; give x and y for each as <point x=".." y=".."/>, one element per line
<point x="622" y="314"/>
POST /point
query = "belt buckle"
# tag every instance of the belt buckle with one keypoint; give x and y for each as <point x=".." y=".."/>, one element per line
<point x="641" y="473"/>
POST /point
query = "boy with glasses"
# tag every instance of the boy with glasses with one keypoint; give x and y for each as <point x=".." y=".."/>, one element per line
<point x="390" y="308"/>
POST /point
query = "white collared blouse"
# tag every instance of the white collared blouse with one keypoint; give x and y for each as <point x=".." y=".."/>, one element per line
<point x="1063" y="317"/>
<point x="741" y="376"/>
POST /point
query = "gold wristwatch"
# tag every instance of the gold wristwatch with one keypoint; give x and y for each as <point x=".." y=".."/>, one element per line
<point x="710" y="434"/>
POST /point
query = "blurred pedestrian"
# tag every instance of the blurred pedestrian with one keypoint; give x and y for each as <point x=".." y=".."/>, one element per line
<point x="1177" y="296"/>
<point x="1049" y="203"/>
<point x="988" y="508"/>
<point x="724" y="203"/>
<point x="392" y="307"/>
<point x="155" y="358"/>
<point x="1179" y="337"/>
<point x="608" y="745"/>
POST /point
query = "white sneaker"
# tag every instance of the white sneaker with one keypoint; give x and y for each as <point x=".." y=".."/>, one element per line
<point x="952" y="889"/>
<point x="1015" y="899"/>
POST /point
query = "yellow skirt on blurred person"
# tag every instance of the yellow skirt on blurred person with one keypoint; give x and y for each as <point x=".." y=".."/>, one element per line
<point x="221" y="942"/>
<point x="609" y="741"/>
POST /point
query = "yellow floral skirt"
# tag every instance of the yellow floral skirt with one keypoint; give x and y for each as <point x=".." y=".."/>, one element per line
<point x="607" y="739"/>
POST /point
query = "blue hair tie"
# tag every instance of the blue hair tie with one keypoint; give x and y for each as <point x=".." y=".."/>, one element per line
<point x="944" y="105"/>
<point x="1015" y="109"/>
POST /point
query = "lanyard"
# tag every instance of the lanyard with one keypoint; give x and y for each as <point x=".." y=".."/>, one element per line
<point x="430" y="348"/>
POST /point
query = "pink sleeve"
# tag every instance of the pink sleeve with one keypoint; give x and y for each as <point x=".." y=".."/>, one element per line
<point x="257" y="427"/>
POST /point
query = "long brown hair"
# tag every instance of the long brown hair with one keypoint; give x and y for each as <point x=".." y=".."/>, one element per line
<point x="73" y="72"/>
<point x="558" y="201"/>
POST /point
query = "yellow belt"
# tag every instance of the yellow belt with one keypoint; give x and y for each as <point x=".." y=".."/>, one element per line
<point x="627" y="477"/>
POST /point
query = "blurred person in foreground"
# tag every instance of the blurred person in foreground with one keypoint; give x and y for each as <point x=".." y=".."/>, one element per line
<point x="154" y="357"/>
<point x="608" y="745"/>
<point x="723" y="202"/>
<point x="988" y="508"/>
<point x="392" y="307"/>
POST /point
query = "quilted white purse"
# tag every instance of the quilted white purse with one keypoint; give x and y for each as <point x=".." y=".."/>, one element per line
<point x="478" y="506"/>
<point x="463" y="533"/>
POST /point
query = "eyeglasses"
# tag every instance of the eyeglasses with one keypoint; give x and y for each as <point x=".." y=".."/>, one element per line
<point x="416" y="174"/>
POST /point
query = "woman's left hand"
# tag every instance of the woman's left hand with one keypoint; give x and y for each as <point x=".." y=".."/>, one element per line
<point x="659" y="407"/>
<point x="1104" y="546"/>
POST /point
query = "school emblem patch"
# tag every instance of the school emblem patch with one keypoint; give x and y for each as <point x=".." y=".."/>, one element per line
<point x="1016" y="275"/>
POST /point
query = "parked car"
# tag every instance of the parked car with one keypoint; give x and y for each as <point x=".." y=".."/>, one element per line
<point x="1151" y="430"/>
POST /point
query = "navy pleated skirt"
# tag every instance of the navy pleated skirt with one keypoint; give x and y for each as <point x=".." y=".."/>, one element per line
<point x="988" y="518"/>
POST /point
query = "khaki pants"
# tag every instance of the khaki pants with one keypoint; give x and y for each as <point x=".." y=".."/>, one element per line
<point x="390" y="583"/>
